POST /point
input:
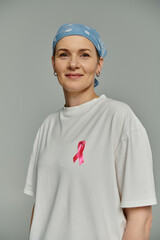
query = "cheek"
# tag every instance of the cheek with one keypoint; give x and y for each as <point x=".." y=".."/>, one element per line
<point x="60" y="66"/>
<point x="90" y="67"/>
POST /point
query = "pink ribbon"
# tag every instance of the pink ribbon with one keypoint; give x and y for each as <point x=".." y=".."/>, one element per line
<point x="79" y="154"/>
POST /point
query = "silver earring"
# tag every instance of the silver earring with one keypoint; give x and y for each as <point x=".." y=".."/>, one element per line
<point x="98" y="74"/>
<point x="55" y="74"/>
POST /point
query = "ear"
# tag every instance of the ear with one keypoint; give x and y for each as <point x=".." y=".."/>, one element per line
<point x="99" y="65"/>
<point x="53" y="62"/>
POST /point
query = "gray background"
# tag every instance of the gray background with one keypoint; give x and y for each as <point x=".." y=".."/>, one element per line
<point x="29" y="92"/>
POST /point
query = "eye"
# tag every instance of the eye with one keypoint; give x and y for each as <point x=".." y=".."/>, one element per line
<point x="63" y="55"/>
<point x="85" y="55"/>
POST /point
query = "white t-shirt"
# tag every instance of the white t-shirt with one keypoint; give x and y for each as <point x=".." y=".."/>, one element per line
<point x="76" y="201"/>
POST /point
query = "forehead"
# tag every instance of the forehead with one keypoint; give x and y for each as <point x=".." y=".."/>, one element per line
<point x="75" y="42"/>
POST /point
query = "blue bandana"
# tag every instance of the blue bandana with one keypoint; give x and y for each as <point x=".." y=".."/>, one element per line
<point x="85" y="31"/>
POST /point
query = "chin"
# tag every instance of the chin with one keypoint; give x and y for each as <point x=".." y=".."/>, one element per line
<point x="74" y="87"/>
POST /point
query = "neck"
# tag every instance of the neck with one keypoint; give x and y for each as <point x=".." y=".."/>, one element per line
<point x="76" y="98"/>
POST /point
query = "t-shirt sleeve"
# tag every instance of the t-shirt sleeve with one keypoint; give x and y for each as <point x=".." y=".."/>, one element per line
<point x="31" y="179"/>
<point x="134" y="168"/>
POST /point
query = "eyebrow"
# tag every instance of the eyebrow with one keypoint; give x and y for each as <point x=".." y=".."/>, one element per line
<point x="80" y="50"/>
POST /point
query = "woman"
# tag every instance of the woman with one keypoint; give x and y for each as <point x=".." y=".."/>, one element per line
<point x="91" y="167"/>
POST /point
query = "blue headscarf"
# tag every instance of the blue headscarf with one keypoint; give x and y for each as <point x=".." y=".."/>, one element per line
<point x="82" y="30"/>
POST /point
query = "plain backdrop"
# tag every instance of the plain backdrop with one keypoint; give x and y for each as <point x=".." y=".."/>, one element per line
<point x="29" y="91"/>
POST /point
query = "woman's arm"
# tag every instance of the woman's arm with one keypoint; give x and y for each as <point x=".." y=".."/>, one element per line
<point x="32" y="217"/>
<point x="139" y="222"/>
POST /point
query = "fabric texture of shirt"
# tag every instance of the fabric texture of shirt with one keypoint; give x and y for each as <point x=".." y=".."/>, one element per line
<point x="84" y="202"/>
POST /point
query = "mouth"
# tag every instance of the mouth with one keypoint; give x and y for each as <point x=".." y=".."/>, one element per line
<point x="74" y="75"/>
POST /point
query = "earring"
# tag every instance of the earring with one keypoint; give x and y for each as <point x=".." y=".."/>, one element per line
<point x="98" y="74"/>
<point x="55" y="74"/>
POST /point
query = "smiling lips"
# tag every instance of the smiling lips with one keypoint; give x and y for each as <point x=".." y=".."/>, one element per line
<point x="74" y="75"/>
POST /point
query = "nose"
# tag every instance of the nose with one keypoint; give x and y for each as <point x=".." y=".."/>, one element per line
<point x="73" y="62"/>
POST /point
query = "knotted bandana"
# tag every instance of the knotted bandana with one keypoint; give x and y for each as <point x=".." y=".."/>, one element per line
<point x="85" y="31"/>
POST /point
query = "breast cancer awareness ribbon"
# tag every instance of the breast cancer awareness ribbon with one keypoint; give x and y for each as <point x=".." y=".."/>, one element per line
<point x="79" y="154"/>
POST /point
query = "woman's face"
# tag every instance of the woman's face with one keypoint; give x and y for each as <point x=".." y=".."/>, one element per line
<point x="76" y="62"/>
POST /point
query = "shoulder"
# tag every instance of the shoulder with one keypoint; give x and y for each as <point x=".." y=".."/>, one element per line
<point x="123" y="114"/>
<point x="47" y="122"/>
<point x="118" y="106"/>
<point x="119" y="109"/>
